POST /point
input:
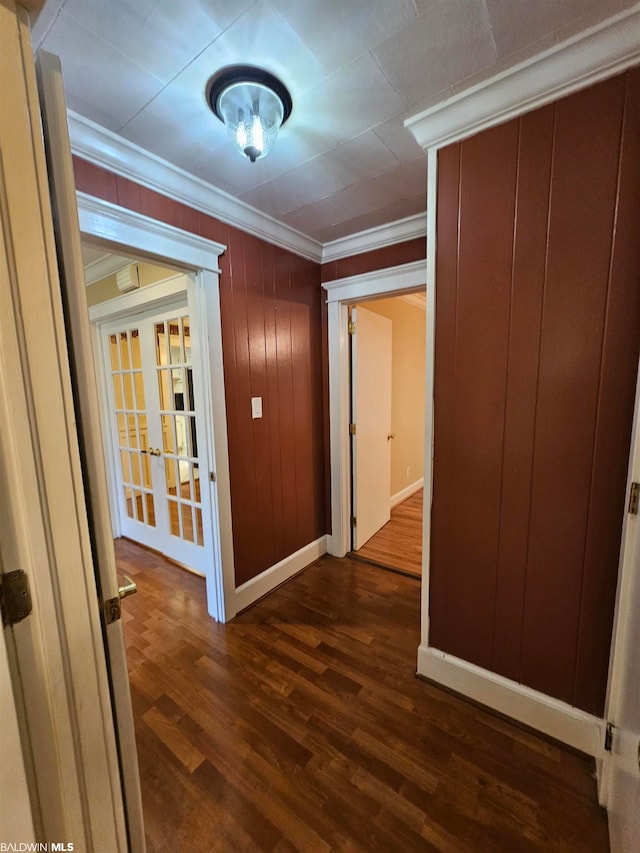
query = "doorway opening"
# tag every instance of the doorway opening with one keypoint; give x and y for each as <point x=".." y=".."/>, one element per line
<point x="387" y="427"/>
<point x="154" y="315"/>
<point x="152" y="400"/>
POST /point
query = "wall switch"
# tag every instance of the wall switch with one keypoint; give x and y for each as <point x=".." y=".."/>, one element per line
<point x="256" y="407"/>
<point x="407" y="472"/>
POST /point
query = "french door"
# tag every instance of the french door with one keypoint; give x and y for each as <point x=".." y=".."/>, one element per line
<point x="160" y="467"/>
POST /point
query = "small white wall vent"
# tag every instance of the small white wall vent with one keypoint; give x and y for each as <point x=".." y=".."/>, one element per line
<point x="128" y="279"/>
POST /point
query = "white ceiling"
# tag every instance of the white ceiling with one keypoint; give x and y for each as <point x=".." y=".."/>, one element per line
<point x="355" y="68"/>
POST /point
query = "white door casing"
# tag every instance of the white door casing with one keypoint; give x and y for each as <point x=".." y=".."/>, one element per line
<point x="340" y="293"/>
<point x="619" y="775"/>
<point x="126" y="231"/>
<point x="371" y="411"/>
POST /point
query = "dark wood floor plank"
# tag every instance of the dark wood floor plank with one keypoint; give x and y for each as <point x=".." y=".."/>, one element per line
<point x="301" y="726"/>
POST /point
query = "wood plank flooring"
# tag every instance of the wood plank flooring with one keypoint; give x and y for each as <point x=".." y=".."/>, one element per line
<point x="301" y="726"/>
<point x="399" y="543"/>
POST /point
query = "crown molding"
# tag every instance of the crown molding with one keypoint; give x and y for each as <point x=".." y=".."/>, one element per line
<point x="106" y="149"/>
<point x="595" y="54"/>
<point x="105" y="266"/>
<point x="376" y="238"/>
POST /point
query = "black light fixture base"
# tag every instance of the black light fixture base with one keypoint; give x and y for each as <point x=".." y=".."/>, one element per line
<point x="230" y="74"/>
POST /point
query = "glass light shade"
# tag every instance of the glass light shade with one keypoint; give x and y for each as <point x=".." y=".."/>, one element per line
<point x="252" y="114"/>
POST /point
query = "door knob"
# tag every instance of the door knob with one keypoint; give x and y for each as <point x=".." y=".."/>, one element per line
<point x="128" y="589"/>
<point x="390" y="435"/>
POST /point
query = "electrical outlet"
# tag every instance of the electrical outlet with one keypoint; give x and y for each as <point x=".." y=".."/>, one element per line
<point x="256" y="407"/>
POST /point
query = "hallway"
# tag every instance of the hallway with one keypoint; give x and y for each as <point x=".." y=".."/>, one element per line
<point x="398" y="545"/>
<point x="301" y="726"/>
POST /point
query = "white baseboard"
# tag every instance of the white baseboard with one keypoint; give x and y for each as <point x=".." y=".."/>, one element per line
<point x="268" y="580"/>
<point x="405" y="493"/>
<point x="554" y="718"/>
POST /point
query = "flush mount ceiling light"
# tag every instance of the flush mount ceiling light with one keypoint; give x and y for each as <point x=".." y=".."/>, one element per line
<point x="253" y="105"/>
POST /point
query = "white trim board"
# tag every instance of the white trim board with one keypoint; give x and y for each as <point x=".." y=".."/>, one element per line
<point x="391" y="280"/>
<point x="156" y="295"/>
<point x="103" y="267"/>
<point x="376" y="238"/>
<point x="266" y="581"/>
<point x="405" y="493"/>
<point x="554" y="718"/>
<point x="119" y="227"/>
<point x="606" y="49"/>
<point x="106" y="149"/>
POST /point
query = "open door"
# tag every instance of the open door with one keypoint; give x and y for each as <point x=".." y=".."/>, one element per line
<point x="621" y="766"/>
<point x="155" y="420"/>
<point x="67" y="233"/>
<point x="55" y="650"/>
<point x="371" y="414"/>
<point x="16" y="819"/>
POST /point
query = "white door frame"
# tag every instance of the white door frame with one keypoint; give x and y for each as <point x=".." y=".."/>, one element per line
<point x="123" y="230"/>
<point x="392" y="281"/>
<point x="625" y="611"/>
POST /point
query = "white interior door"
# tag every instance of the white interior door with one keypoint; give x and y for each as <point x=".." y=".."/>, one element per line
<point x="87" y="421"/>
<point x="154" y="417"/>
<point x="371" y="410"/>
<point x="15" y="801"/>
<point x="622" y="764"/>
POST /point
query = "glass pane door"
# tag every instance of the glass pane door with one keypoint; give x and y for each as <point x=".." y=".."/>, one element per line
<point x="129" y="413"/>
<point x="158" y="458"/>
<point x="174" y="370"/>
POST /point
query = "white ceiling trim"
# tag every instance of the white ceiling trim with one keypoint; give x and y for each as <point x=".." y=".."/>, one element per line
<point x="125" y="228"/>
<point x="600" y="52"/>
<point x="376" y="238"/>
<point x="392" y="280"/>
<point x="104" y="148"/>
<point x="103" y="267"/>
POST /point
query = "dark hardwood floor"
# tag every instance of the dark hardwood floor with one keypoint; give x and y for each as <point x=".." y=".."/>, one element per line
<point x="398" y="544"/>
<point x="301" y="726"/>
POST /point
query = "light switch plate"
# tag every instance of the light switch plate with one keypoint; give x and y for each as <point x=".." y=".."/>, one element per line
<point x="256" y="407"/>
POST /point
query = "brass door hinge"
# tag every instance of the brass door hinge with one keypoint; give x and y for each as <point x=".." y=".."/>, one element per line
<point x="15" y="597"/>
<point x="354" y="521"/>
<point x="352" y="429"/>
<point x="608" y="737"/>
<point x="351" y="327"/>
<point x="634" y="498"/>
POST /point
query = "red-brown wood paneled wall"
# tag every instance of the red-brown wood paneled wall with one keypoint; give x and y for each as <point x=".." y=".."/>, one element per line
<point x="270" y="301"/>
<point x="537" y="343"/>
<point x="376" y="259"/>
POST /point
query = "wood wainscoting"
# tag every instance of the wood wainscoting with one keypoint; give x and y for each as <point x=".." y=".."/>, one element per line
<point x="300" y="725"/>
